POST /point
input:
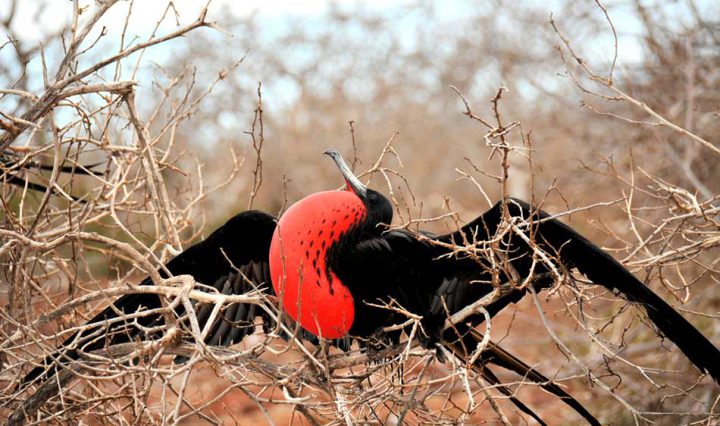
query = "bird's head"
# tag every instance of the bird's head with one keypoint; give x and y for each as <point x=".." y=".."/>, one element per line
<point x="379" y="209"/>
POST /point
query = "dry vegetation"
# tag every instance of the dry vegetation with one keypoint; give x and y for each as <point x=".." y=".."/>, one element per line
<point x="180" y="136"/>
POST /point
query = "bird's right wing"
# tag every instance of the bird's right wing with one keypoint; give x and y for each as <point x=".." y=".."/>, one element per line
<point x="237" y="320"/>
<point x="232" y="260"/>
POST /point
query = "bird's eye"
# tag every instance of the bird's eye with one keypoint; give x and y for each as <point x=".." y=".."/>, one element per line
<point x="373" y="198"/>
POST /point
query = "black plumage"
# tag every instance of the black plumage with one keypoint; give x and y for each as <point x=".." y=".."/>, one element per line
<point x="420" y="273"/>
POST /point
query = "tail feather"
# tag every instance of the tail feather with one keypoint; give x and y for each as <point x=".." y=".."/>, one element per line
<point x="463" y="345"/>
<point x="491" y="378"/>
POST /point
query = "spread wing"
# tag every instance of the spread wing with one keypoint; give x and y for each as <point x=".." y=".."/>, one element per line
<point x="572" y="250"/>
<point x="401" y="272"/>
<point x="426" y="276"/>
<point x="232" y="260"/>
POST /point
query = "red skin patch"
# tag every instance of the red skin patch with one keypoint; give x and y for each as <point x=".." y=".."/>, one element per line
<point x="321" y="304"/>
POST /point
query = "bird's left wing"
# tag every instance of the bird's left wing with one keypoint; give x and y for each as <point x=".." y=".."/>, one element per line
<point x="402" y="274"/>
<point x="534" y="233"/>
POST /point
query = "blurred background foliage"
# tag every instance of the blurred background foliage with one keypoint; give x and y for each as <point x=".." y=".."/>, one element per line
<point x="388" y="67"/>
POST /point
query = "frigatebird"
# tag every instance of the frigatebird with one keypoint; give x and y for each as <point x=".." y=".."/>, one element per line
<point x="339" y="272"/>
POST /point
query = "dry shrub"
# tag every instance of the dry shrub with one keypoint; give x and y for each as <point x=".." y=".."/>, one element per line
<point x="625" y="148"/>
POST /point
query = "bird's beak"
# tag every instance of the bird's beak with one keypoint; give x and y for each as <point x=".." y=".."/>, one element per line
<point x="353" y="182"/>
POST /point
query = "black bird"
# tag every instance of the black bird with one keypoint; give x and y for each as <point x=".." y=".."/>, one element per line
<point x="339" y="272"/>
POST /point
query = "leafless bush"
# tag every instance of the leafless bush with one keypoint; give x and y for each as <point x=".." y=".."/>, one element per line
<point x="109" y="208"/>
<point x="86" y="99"/>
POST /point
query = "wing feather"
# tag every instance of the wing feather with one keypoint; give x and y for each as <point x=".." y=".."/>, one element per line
<point x="574" y="250"/>
<point x="242" y="244"/>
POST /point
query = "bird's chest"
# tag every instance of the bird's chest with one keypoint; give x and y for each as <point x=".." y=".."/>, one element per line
<point x="309" y="290"/>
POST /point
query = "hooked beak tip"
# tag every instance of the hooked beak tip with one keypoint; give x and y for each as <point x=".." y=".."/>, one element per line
<point x="352" y="181"/>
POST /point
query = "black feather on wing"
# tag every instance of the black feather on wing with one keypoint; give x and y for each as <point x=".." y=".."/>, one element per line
<point x="414" y="274"/>
<point x="426" y="276"/>
<point x="573" y="250"/>
<point x="232" y="260"/>
<point x="238" y="319"/>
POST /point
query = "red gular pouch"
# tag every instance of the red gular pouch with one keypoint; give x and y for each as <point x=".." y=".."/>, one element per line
<point x="310" y="292"/>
